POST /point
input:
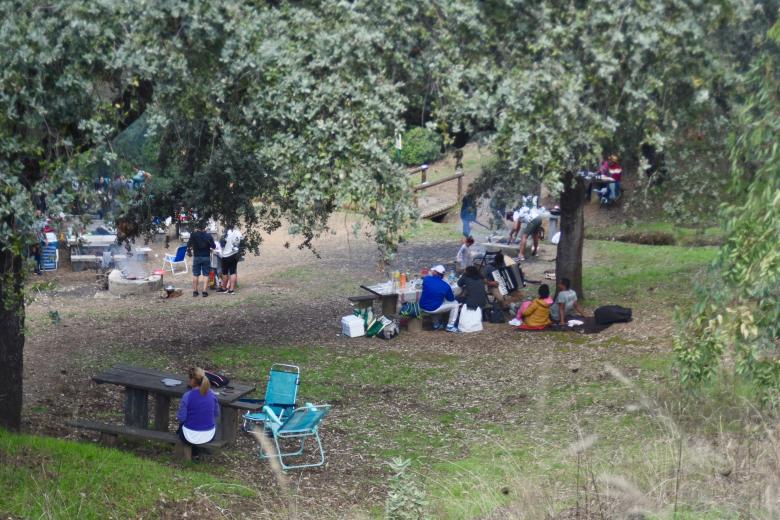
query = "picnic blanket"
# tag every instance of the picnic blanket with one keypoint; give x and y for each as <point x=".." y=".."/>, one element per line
<point x="589" y="326"/>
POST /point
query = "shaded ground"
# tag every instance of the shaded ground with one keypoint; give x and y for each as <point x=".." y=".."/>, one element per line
<point x="388" y="396"/>
<point x="445" y="400"/>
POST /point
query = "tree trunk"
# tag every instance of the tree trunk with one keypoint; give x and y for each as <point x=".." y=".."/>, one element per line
<point x="11" y="340"/>
<point x="568" y="263"/>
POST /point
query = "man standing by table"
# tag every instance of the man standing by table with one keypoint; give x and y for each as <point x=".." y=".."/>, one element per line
<point x="437" y="297"/>
<point x="199" y="247"/>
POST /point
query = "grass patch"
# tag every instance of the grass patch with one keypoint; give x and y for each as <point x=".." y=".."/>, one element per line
<point x="52" y="478"/>
<point x="318" y="282"/>
<point x="473" y="160"/>
<point x="681" y="236"/>
<point x="430" y="231"/>
<point x="625" y="273"/>
<point x="538" y="469"/>
<point x="114" y="355"/>
<point x="326" y="374"/>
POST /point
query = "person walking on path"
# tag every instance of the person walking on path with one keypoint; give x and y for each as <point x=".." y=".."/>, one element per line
<point x="199" y="247"/>
<point x="468" y="213"/>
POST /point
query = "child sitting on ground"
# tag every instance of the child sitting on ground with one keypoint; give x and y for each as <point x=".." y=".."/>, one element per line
<point x="537" y="315"/>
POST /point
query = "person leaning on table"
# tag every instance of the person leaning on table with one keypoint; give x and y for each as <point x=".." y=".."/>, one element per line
<point x="437" y="297"/>
<point x="198" y="411"/>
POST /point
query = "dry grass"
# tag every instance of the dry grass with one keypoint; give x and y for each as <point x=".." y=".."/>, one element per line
<point x="669" y="471"/>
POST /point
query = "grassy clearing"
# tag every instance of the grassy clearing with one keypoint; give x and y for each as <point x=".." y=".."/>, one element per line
<point x="328" y="375"/>
<point x="682" y="236"/>
<point x="628" y="273"/>
<point x="576" y="436"/>
<point x="601" y="447"/>
<point x="429" y="231"/>
<point x="617" y="443"/>
<point x="44" y="477"/>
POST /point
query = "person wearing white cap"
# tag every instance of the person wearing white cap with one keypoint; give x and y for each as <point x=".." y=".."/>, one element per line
<point x="437" y="297"/>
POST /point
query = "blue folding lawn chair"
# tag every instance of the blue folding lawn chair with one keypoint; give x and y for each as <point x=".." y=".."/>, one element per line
<point x="302" y="424"/>
<point x="281" y="394"/>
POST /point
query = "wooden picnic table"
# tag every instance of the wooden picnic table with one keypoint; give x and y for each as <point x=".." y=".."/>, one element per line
<point x="389" y="294"/>
<point x="139" y="382"/>
<point x="511" y="249"/>
<point x="602" y="179"/>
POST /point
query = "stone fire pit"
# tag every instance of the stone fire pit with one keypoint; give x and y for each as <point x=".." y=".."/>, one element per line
<point x="118" y="285"/>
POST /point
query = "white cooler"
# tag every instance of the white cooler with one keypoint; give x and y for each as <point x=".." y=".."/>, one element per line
<point x="352" y="326"/>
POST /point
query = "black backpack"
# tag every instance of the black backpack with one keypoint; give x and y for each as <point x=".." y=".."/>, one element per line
<point x="612" y="314"/>
<point x="497" y="314"/>
<point x="216" y="380"/>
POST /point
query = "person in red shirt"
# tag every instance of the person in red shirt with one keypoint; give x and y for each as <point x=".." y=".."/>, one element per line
<point x="616" y="172"/>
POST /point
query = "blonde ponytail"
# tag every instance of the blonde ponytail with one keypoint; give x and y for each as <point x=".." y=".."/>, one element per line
<point x="199" y="376"/>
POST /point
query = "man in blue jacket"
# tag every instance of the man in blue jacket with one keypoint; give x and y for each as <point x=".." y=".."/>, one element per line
<point x="437" y="297"/>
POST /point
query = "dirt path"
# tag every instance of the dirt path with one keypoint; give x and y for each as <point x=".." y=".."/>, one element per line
<point x="288" y="297"/>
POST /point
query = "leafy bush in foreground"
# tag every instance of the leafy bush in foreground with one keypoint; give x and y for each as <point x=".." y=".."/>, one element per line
<point x="736" y="323"/>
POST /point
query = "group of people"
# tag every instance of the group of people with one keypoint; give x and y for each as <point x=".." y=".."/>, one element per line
<point x="109" y="191"/>
<point x="610" y="168"/>
<point x="122" y="183"/>
<point x="544" y="311"/>
<point x="438" y="298"/>
<point x="221" y="256"/>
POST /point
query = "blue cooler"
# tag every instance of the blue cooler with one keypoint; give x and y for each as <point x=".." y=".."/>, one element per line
<point x="49" y="253"/>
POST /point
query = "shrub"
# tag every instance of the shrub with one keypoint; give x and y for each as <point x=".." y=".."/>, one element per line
<point x="420" y="146"/>
<point x="405" y="500"/>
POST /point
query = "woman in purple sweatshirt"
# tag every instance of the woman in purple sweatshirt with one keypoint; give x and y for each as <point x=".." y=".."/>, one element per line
<point x="198" y="411"/>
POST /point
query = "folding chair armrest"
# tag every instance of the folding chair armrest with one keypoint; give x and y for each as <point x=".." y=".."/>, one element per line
<point x="272" y="417"/>
<point x="251" y="400"/>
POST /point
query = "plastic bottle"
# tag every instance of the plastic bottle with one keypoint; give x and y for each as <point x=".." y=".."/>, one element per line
<point x="402" y="279"/>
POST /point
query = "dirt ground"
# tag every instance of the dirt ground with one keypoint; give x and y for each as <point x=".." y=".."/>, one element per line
<point x="286" y="297"/>
<point x="290" y="297"/>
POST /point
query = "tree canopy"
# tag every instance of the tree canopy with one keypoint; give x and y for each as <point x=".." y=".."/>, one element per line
<point x="735" y="325"/>
<point x="284" y="111"/>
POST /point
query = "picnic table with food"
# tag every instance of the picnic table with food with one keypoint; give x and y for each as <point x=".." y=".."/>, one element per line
<point x="402" y="288"/>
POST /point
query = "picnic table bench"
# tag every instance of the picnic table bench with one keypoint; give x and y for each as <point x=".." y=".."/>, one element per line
<point x="363" y="301"/>
<point x="509" y="249"/>
<point x="139" y="382"/>
<point x="81" y="262"/>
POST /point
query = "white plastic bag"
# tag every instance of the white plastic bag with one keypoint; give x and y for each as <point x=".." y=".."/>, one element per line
<point x="470" y="320"/>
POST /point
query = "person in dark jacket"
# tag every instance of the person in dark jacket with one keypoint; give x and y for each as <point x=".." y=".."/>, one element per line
<point x="198" y="411"/>
<point x="437" y="297"/>
<point x="199" y="247"/>
<point x="474" y="293"/>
